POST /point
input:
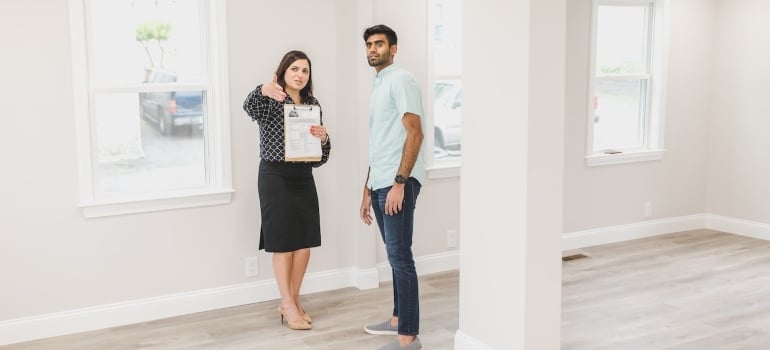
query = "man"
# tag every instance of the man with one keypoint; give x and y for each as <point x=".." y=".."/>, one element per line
<point x="394" y="180"/>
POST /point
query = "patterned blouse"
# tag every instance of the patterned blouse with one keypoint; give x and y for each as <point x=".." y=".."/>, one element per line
<point x="268" y="113"/>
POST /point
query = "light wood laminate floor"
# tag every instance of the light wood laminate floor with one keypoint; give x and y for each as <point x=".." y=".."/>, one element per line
<point x="699" y="290"/>
<point x="690" y="290"/>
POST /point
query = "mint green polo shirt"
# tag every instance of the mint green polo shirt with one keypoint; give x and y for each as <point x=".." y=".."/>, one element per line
<point x="395" y="93"/>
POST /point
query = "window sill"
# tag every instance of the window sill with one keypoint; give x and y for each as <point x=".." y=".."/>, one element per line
<point x="601" y="159"/>
<point x="177" y="200"/>
<point x="444" y="170"/>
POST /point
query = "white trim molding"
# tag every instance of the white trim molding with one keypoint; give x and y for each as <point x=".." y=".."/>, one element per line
<point x="739" y="227"/>
<point x="600" y="159"/>
<point x="366" y="278"/>
<point x="619" y="233"/>
<point x="442" y="170"/>
<point x="466" y="342"/>
<point x="186" y="199"/>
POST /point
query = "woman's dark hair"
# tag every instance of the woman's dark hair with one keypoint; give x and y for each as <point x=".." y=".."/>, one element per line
<point x="286" y="61"/>
<point x="382" y="29"/>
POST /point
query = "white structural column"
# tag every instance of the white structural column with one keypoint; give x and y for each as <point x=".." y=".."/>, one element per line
<point x="512" y="174"/>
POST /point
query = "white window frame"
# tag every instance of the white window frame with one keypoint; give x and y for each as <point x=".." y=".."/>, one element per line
<point x="441" y="168"/>
<point x="219" y="189"/>
<point x="653" y="148"/>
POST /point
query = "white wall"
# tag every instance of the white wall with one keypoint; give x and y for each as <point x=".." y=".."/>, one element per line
<point x="739" y="146"/>
<point x="612" y="195"/>
<point x="53" y="260"/>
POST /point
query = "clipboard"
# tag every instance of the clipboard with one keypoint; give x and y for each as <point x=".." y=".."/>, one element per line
<point x="300" y="145"/>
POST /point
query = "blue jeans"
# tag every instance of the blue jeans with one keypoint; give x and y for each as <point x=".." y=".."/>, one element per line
<point x="397" y="231"/>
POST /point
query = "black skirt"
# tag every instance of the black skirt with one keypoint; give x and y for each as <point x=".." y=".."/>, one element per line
<point x="289" y="204"/>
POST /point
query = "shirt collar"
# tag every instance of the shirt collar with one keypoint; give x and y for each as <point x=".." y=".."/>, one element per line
<point x="386" y="70"/>
<point x="381" y="74"/>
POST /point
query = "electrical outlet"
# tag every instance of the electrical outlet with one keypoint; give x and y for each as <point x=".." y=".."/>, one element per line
<point x="451" y="238"/>
<point x="252" y="266"/>
<point x="647" y="209"/>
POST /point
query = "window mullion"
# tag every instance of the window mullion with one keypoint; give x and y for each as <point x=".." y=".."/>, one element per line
<point x="151" y="88"/>
<point x="623" y="76"/>
<point x="626" y="2"/>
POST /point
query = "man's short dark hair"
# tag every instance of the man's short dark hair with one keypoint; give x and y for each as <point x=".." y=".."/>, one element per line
<point x="382" y="29"/>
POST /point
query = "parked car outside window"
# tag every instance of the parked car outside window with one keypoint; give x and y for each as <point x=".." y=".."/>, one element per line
<point x="447" y="113"/>
<point x="171" y="110"/>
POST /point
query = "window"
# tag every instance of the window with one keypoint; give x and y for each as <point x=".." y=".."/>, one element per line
<point x="625" y="102"/>
<point x="445" y="101"/>
<point x="151" y="106"/>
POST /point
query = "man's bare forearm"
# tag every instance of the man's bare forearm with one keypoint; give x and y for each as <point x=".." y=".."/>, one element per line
<point x="412" y="145"/>
<point x="366" y="189"/>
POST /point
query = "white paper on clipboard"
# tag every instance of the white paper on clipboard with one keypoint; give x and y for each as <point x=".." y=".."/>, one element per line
<point x="301" y="145"/>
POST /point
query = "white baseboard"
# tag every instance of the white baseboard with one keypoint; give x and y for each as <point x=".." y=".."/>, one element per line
<point x="425" y="265"/>
<point x="613" y="234"/>
<point x="124" y="313"/>
<point x="738" y="226"/>
<point x="466" y="342"/>
<point x="366" y="278"/>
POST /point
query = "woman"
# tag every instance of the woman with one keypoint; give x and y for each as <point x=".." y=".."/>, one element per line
<point x="287" y="192"/>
